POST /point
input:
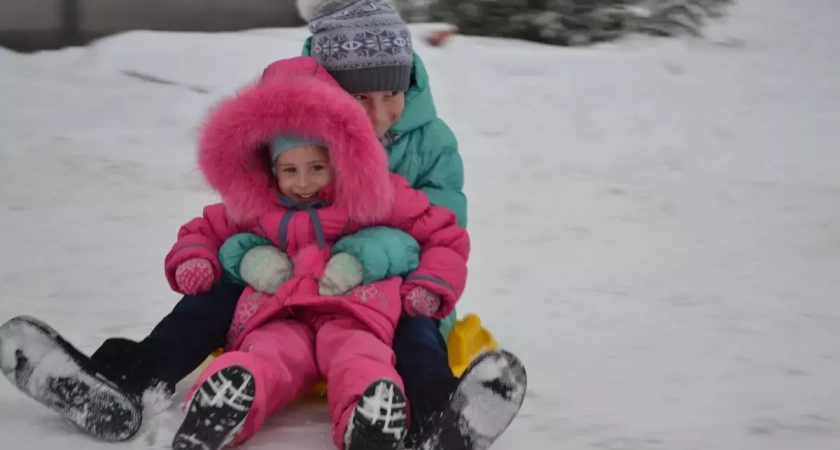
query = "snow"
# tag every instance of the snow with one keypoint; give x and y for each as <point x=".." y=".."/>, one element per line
<point x="654" y="220"/>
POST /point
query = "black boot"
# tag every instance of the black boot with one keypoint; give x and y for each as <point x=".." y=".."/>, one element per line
<point x="379" y="420"/>
<point x="47" y="368"/>
<point x="217" y="410"/>
<point x="133" y="366"/>
<point x="427" y="402"/>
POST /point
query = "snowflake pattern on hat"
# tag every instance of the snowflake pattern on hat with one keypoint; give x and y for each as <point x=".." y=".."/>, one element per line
<point x="366" y="44"/>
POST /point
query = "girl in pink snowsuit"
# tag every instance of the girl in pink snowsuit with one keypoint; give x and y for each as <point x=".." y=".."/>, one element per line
<point x="297" y="162"/>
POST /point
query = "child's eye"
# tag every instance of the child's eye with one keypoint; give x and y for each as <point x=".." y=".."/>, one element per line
<point x="360" y="98"/>
<point x="317" y="168"/>
<point x="289" y="169"/>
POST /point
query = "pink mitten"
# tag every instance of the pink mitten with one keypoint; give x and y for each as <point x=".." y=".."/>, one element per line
<point x="421" y="302"/>
<point x="195" y="276"/>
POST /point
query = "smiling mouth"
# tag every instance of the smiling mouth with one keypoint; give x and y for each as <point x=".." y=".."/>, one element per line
<point x="307" y="196"/>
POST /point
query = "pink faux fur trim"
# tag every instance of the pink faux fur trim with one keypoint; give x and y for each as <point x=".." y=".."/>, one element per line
<point x="297" y="96"/>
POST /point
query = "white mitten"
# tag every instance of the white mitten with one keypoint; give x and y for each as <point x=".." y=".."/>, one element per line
<point x="265" y="268"/>
<point x="343" y="273"/>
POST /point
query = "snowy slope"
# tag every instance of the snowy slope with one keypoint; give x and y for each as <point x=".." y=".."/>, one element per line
<point x="655" y="222"/>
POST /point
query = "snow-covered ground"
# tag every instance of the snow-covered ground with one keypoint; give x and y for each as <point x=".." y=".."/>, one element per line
<point x="656" y="223"/>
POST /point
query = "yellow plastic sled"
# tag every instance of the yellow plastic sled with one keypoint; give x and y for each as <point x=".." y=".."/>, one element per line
<point x="469" y="338"/>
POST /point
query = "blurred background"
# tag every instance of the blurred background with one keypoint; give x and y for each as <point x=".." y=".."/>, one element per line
<point x="28" y="25"/>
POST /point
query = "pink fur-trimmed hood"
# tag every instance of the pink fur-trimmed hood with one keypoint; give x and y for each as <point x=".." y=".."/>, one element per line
<point x="295" y="96"/>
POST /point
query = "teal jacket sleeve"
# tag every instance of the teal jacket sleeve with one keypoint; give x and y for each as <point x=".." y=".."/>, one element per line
<point x="232" y="251"/>
<point x="443" y="177"/>
<point x="383" y="252"/>
<point x="443" y="182"/>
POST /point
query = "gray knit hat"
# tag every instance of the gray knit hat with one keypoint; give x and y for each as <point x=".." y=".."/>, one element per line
<point x="363" y="44"/>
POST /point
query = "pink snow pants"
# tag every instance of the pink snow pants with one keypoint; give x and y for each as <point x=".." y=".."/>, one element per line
<point x="287" y="356"/>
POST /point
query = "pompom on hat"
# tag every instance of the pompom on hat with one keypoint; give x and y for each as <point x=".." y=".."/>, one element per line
<point x="364" y="44"/>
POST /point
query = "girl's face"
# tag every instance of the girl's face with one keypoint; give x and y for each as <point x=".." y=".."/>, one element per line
<point x="383" y="108"/>
<point x="303" y="171"/>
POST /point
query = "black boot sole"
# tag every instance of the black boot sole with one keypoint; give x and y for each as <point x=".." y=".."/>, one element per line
<point x="47" y="368"/>
<point x="379" y="421"/>
<point x="217" y="410"/>
<point x="489" y="396"/>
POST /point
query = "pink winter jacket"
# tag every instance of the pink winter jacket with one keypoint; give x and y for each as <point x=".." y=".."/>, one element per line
<point x="298" y="96"/>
